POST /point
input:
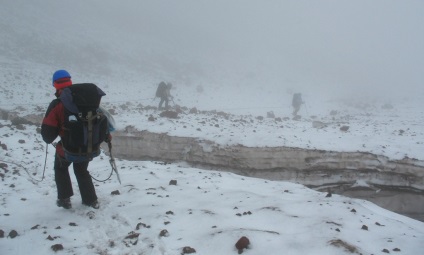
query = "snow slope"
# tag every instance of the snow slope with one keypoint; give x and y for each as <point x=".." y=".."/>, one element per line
<point x="206" y="210"/>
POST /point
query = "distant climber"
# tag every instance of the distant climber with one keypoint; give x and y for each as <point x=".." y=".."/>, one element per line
<point x="296" y="103"/>
<point x="164" y="92"/>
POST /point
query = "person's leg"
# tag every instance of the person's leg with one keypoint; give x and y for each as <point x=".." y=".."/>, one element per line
<point x="162" y="99"/>
<point x="63" y="182"/>
<point x="62" y="178"/>
<point x="85" y="183"/>
<point x="296" y="110"/>
<point x="166" y="103"/>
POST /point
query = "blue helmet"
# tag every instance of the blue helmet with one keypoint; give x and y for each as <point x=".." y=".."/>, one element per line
<point x="60" y="74"/>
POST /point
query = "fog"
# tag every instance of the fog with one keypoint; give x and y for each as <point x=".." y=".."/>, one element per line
<point x="334" y="46"/>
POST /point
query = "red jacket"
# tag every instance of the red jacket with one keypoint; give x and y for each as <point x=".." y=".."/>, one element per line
<point x="53" y="123"/>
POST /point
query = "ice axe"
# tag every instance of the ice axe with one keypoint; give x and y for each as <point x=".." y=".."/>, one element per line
<point x="112" y="161"/>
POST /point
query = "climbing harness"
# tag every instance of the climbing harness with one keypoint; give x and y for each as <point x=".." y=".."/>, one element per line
<point x="112" y="163"/>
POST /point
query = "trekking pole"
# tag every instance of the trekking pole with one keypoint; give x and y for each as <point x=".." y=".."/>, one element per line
<point x="112" y="161"/>
<point x="45" y="161"/>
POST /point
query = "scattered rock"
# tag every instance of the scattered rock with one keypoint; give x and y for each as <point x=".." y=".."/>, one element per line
<point x="318" y="124"/>
<point x="169" y="114"/>
<point x="170" y="213"/>
<point x="3" y="146"/>
<point x="345" y="245"/>
<point x="173" y="182"/>
<point x="139" y="225"/>
<point x="151" y="118"/>
<point x="115" y="192"/>
<point x="164" y="233"/>
<point x="19" y="121"/>
<point x="396" y="249"/>
<point x="35" y="227"/>
<point x="131" y="238"/>
<point x="385" y="251"/>
<point x="13" y="234"/>
<point x="57" y="247"/>
<point x="242" y="243"/>
<point x="364" y="227"/>
<point x="188" y="250"/>
<point x="73" y="224"/>
<point x="353" y="210"/>
<point x="270" y="114"/>
<point x="193" y="110"/>
<point x="1" y="233"/>
<point x="344" y="128"/>
<point x="132" y="235"/>
<point x="91" y="215"/>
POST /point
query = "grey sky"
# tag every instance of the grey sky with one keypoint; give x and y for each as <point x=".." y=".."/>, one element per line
<point x="357" y="44"/>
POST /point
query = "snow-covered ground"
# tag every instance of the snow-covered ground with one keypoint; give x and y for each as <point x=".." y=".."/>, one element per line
<point x="361" y="102"/>
<point x="206" y="210"/>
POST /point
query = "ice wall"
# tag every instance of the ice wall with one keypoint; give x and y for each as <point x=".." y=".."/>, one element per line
<point x="309" y="167"/>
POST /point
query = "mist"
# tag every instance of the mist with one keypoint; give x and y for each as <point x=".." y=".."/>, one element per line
<point x="327" y="46"/>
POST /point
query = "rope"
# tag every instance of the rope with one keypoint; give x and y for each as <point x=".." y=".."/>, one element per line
<point x="112" y="164"/>
<point x="111" y="172"/>
<point x="112" y="161"/>
<point x="33" y="180"/>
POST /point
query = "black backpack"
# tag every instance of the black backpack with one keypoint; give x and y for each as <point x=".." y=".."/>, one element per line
<point x="85" y="127"/>
<point x="160" y="91"/>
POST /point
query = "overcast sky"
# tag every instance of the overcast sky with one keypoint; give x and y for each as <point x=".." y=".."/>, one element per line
<point x="362" y="43"/>
<point x="337" y="43"/>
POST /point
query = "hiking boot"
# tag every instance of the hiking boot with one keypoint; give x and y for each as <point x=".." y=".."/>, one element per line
<point x="65" y="203"/>
<point x="95" y="204"/>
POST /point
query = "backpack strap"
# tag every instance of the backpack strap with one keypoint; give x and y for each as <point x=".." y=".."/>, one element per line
<point x="90" y="131"/>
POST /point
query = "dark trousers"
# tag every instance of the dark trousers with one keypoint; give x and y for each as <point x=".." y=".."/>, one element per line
<point x="64" y="184"/>
<point x="163" y="99"/>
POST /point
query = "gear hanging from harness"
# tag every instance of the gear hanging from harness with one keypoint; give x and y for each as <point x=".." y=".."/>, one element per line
<point x="111" y="161"/>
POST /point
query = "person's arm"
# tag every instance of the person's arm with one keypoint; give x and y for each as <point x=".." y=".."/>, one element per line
<point x="50" y="126"/>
